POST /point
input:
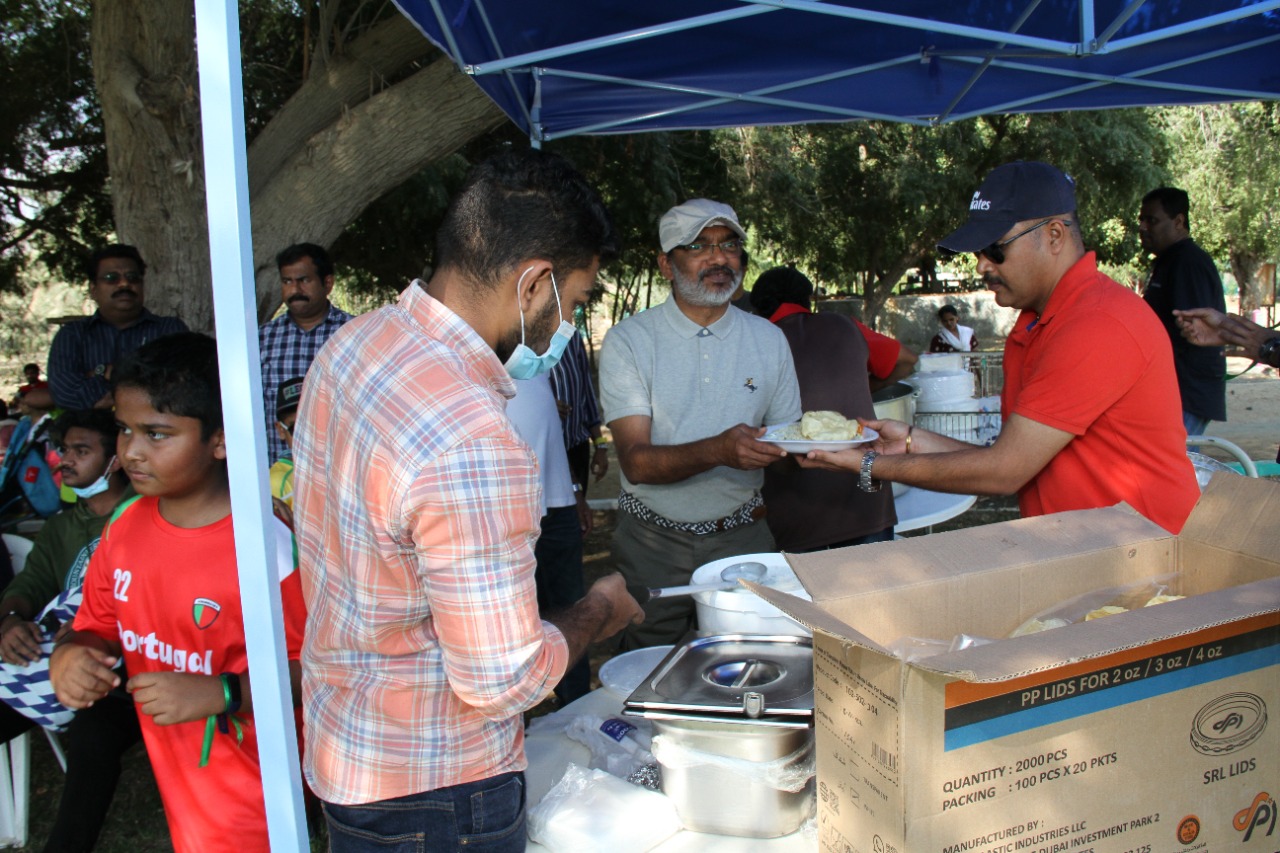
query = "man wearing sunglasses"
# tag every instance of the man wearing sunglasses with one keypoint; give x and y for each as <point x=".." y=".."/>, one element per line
<point x="687" y="388"/>
<point x="1090" y="401"/>
<point x="84" y="351"/>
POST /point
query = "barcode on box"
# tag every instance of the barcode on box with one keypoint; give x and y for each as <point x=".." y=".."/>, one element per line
<point x="886" y="758"/>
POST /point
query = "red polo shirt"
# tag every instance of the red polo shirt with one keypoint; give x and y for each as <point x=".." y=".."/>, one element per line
<point x="1099" y="366"/>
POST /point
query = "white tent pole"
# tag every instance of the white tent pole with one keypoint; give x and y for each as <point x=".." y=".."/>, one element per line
<point x="235" y="312"/>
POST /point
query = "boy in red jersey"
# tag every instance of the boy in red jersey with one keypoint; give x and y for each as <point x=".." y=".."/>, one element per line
<point x="162" y="591"/>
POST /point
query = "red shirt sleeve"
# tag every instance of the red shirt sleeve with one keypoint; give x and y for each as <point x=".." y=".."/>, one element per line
<point x="882" y="352"/>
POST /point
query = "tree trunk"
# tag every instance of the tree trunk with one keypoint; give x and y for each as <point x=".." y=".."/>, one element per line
<point x="1245" y="266"/>
<point x="344" y="139"/>
<point x="145" y="73"/>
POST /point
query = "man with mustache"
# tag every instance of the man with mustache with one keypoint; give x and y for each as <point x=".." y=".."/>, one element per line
<point x="289" y="343"/>
<point x="687" y="388"/>
<point x="84" y="351"/>
<point x="1090" y="400"/>
<point x="36" y="602"/>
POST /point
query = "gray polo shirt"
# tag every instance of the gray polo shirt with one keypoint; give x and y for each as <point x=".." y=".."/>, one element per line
<point x="694" y="383"/>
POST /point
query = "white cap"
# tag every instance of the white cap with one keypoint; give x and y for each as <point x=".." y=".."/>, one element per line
<point x="683" y="223"/>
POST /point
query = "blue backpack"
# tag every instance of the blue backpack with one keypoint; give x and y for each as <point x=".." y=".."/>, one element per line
<point x="26" y="483"/>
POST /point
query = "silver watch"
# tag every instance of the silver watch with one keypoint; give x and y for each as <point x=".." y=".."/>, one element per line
<point x="864" y="477"/>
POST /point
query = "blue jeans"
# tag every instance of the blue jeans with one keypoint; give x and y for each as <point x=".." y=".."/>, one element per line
<point x="485" y="816"/>
<point x="1194" y="424"/>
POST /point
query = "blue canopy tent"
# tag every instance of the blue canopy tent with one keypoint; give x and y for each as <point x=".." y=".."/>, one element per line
<point x="625" y="67"/>
<point x="610" y="67"/>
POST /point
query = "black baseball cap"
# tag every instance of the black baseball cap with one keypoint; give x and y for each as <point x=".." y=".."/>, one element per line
<point x="287" y="396"/>
<point x="1012" y="193"/>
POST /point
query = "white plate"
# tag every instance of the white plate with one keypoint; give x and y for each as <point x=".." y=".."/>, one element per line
<point x="623" y="674"/>
<point x="796" y="446"/>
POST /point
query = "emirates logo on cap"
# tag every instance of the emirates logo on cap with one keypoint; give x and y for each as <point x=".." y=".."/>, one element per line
<point x="979" y="203"/>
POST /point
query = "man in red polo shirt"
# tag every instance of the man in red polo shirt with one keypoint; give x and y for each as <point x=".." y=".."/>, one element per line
<point x="1091" y="409"/>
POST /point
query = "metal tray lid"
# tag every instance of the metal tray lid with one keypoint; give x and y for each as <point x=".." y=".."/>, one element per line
<point x="731" y="675"/>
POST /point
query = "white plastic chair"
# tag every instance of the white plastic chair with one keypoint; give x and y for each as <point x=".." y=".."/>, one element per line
<point x="15" y="756"/>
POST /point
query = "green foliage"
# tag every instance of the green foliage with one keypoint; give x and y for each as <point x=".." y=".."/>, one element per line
<point x="856" y="205"/>
<point x="1227" y="158"/>
<point x="53" y="172"/>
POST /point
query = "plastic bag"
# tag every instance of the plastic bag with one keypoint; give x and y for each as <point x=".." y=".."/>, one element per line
<point x="911" y="649"/>
<point x="788" y="773"/>
<point x="617" y="746"/>
<point x="594" y="810"/>
<point x="1098" y="603"/>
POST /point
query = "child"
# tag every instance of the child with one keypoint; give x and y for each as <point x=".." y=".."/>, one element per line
<point x="163" y="591"/>
<point x="287" y="397"/>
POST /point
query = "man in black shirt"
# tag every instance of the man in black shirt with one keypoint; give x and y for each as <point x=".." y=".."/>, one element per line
<point x="1183" y="276"/>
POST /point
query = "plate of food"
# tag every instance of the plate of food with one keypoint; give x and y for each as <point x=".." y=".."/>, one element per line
<point x="820" y="431"/>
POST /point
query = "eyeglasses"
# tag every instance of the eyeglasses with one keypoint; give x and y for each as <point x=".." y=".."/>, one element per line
<point x="995" y="252"/>
<point x="114" y="277"/>
<point x="729" y="247"/>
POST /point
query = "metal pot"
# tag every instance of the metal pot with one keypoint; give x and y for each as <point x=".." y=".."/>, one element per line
<point x="713" y="798"/>
<point x="896" y="402"/>
<point x="725" y="707"/>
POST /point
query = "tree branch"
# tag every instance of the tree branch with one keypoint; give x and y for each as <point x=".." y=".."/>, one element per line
<point x="332" y="177"/>
<point x="386" y="50"/>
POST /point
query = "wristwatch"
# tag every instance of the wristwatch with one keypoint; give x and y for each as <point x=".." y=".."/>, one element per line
<point x="864" y="477"/>
<point x="1269" y="352"/>
<point x="577" y="488"/>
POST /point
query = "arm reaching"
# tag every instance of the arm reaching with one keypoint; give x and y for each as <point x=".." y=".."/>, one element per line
<point x="644" y="462"/>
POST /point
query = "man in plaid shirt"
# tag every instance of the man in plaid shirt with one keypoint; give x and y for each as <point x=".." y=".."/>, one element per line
<point x="417" y="509"/>
<point x="289" y="343"/>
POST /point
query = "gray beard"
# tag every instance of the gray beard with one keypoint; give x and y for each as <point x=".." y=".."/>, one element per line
<point x="693" y="292"/>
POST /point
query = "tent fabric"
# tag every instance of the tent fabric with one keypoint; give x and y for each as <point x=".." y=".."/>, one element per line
<point x="602" y="66"/>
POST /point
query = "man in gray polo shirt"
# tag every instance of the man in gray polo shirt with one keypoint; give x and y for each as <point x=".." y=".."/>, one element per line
<point x="687" y="388"/>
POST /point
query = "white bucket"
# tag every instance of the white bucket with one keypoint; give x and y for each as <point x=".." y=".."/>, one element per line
<point x="739" y="611"/>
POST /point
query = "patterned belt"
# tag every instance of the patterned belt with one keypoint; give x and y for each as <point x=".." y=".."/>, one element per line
<point x="752" y="510"/>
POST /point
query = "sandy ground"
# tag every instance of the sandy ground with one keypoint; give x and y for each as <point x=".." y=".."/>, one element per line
<point x="1253" y="411"/>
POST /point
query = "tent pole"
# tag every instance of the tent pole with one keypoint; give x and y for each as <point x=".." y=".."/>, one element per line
<point x="235" y="312"/>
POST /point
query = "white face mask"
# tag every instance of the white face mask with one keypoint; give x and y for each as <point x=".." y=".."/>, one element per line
<point x="523" y="363"/>
<point x="99" y="485"/>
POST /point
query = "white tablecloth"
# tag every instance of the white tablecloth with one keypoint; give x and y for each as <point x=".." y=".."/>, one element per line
<point x="551" y="752"/>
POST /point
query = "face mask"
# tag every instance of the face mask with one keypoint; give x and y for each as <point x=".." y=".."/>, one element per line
<point x="98" y="486"/>
<point x="523" y="363"/>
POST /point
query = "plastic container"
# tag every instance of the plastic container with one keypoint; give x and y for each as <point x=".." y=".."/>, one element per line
<point x="623" y="673"/>
<point x="739" y="611"/>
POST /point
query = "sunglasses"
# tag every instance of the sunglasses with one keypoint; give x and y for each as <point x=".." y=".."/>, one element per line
<point x="114" y="277"/>
<point x="995" y="252"/>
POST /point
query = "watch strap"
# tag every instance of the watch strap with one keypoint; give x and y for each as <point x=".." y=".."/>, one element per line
<point x="865" y="483"/>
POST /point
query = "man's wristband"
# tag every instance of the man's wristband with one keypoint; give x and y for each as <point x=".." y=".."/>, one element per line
<point x="601" y="443"/>
<point x="231" y="692"/>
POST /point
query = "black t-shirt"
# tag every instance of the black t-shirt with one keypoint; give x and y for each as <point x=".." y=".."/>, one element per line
<point x="1183" y="276"/>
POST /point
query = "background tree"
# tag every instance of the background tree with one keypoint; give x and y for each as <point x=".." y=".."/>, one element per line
<point x="1227" y="157"/>
<point x="857" y="205"/>
<point x="53" y="170"/>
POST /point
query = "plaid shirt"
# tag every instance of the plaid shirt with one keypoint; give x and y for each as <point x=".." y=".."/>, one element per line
<point x="83" y="350"/>
<point x="287" y="352"/>
<point x="571" y="382"/>
<point x="417" y="508"/>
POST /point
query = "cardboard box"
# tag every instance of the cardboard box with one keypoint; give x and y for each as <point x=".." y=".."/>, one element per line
<point x="1151" y="731"/>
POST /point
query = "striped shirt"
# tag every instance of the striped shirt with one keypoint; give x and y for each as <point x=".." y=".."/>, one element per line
<point x="287" y="351"/>
<point x="571" y="382"/>
<point x="83" y="350"/>
<point x="417" y="508"/>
